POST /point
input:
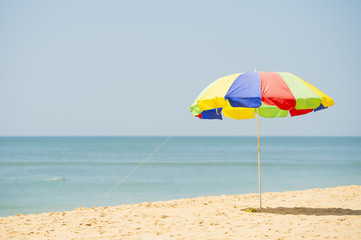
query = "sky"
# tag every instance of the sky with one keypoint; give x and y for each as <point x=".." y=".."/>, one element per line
<point x="133" y="68"/>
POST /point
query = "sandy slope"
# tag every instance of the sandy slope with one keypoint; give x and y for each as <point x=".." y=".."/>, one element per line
<point x="330" y="213"/>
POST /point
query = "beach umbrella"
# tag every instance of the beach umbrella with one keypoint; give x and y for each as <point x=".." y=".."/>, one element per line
<point x="266" y="94"/>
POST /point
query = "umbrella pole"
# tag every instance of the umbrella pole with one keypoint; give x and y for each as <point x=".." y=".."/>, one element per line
<point x="259" y="163"/>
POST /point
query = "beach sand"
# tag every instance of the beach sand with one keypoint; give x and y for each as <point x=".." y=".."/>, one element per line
<point x="329" y="213"/>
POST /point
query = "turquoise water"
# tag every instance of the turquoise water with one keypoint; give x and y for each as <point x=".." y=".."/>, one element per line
<point x="41" y="174"/>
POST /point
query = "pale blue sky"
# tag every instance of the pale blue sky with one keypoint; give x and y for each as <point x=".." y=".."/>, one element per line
<point x="134" y="67"/>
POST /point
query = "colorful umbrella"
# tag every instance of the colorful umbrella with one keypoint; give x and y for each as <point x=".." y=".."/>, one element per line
<point x="267" y="94"/>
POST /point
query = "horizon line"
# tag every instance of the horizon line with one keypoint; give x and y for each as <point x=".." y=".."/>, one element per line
<point x="178" y="136"/>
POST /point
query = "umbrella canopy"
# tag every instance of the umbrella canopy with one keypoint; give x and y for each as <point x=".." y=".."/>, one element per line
<point x="269" y="94"/>
<point x="273" y="93"/>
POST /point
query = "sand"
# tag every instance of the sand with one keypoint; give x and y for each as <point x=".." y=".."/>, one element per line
<point x="329" y="213"/>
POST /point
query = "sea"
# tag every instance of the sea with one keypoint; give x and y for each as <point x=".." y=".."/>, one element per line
<point x="43" y="174"/>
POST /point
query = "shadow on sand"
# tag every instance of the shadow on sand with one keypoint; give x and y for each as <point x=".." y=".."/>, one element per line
<point x="310" y="211"/>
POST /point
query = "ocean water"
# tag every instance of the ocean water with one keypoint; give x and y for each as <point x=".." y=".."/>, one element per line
<point x="42" y="174"/>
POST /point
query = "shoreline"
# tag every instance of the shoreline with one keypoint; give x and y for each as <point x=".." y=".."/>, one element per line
<point x="320" y="213"/>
